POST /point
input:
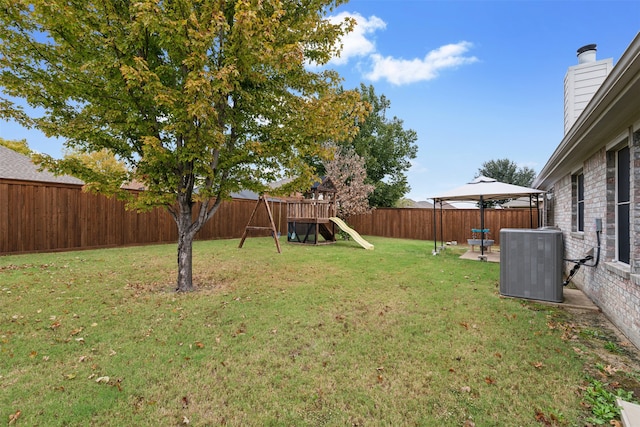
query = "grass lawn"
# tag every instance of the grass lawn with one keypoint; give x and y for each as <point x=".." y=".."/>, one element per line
<point x="328" y="335"/>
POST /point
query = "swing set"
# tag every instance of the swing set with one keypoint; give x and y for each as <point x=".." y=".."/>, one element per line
<point x="263" y="199"/>
<point x="310" y="219"/>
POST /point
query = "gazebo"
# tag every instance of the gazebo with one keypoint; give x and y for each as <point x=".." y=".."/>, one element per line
<point x="481" y="190"/>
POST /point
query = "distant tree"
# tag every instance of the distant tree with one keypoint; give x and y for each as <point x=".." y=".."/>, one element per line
<point x="404" y="203"/>
<point x="347" y="172"/>
<point x="505" y="170"/>
<point x="106" y="172"/>
<point x="387" y="149"/>
<point x="200" y="98"/>
<point x="19" y="146"/>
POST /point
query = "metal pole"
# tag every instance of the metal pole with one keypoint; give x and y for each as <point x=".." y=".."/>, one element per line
<point x="435" y="229"/>
<point x="441" y="228"/>
<point x="482" y="226"/>
<point x="530" y="211"/>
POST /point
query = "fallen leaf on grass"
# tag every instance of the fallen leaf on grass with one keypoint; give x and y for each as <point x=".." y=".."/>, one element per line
<point x="104" y="379"/>
<point x="610" y="369"/>
<point x="538" y="365"/>
<point x="465" y="389"/>
<point x="185" y="420"/>
<point x="199" y="344"/>
<point x="542" y="419"/>
<point x="489" y="380"/>
<point x="14" y="417"/>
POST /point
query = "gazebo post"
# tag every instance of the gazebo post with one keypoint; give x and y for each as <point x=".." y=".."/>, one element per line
<point x="435" y="228"/>
<point x="441" y="227"/>
<point x="481" y="227"/>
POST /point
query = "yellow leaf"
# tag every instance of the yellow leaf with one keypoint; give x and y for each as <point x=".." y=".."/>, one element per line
<point x="14" y="417"/>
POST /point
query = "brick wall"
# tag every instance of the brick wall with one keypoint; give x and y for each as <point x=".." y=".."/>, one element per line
<point x="613" y="286"/>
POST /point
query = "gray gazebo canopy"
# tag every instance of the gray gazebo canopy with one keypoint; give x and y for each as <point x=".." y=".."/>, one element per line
<point x="483" y="189"/>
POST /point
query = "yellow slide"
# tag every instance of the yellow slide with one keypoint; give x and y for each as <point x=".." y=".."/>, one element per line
<point x="351" y="232"/>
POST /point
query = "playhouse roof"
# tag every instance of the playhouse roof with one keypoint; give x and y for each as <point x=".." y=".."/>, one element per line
<point x="326" y="186"/>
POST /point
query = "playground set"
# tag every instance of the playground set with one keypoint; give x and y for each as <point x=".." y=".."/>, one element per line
<point x="311" y="219"/>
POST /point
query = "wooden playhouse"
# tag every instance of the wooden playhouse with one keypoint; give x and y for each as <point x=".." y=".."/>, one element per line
<point x="308" y="218"/>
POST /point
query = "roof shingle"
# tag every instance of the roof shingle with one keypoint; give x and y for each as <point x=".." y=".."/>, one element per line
<point x="17" y="166"/>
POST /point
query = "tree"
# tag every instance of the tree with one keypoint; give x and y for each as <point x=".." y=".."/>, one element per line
<point x="347" y="172"/>
<point x="387" y="149"/>
<point x="199" y="98"/>
<point x="505" y="170"/>
<point x="19" y="146"/>
<point x="105" y="172"/>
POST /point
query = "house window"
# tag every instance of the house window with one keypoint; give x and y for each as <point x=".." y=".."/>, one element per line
<point x="578" y="201"/>
<point x="623" y="199"/>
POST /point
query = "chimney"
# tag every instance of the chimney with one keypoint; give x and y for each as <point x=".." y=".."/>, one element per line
<point x="587" y="54"/>
<point x="582" y="81"/>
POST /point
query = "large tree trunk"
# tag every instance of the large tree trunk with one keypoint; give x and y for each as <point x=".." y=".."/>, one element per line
<point x="186" y="235"/>
<point x="188" y="226"/>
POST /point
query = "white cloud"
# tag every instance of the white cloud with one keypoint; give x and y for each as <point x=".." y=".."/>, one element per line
<point x="403" y="71"/>
<point x="358" y="42"/>
<point x="417" y="167"/>
<point x="360" y="45"/>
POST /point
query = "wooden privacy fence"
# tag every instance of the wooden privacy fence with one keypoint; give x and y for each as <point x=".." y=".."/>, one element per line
<point x="452" y="224"/>
<point x="44" y="217"/>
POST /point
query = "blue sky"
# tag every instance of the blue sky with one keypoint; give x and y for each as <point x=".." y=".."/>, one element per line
<point x="477" y="80"/>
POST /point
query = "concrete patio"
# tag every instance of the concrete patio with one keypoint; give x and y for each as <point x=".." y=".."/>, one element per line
<point x="572" y="298"/>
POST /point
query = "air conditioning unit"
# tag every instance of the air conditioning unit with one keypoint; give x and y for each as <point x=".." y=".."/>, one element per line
<point x="531" y="263"/>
